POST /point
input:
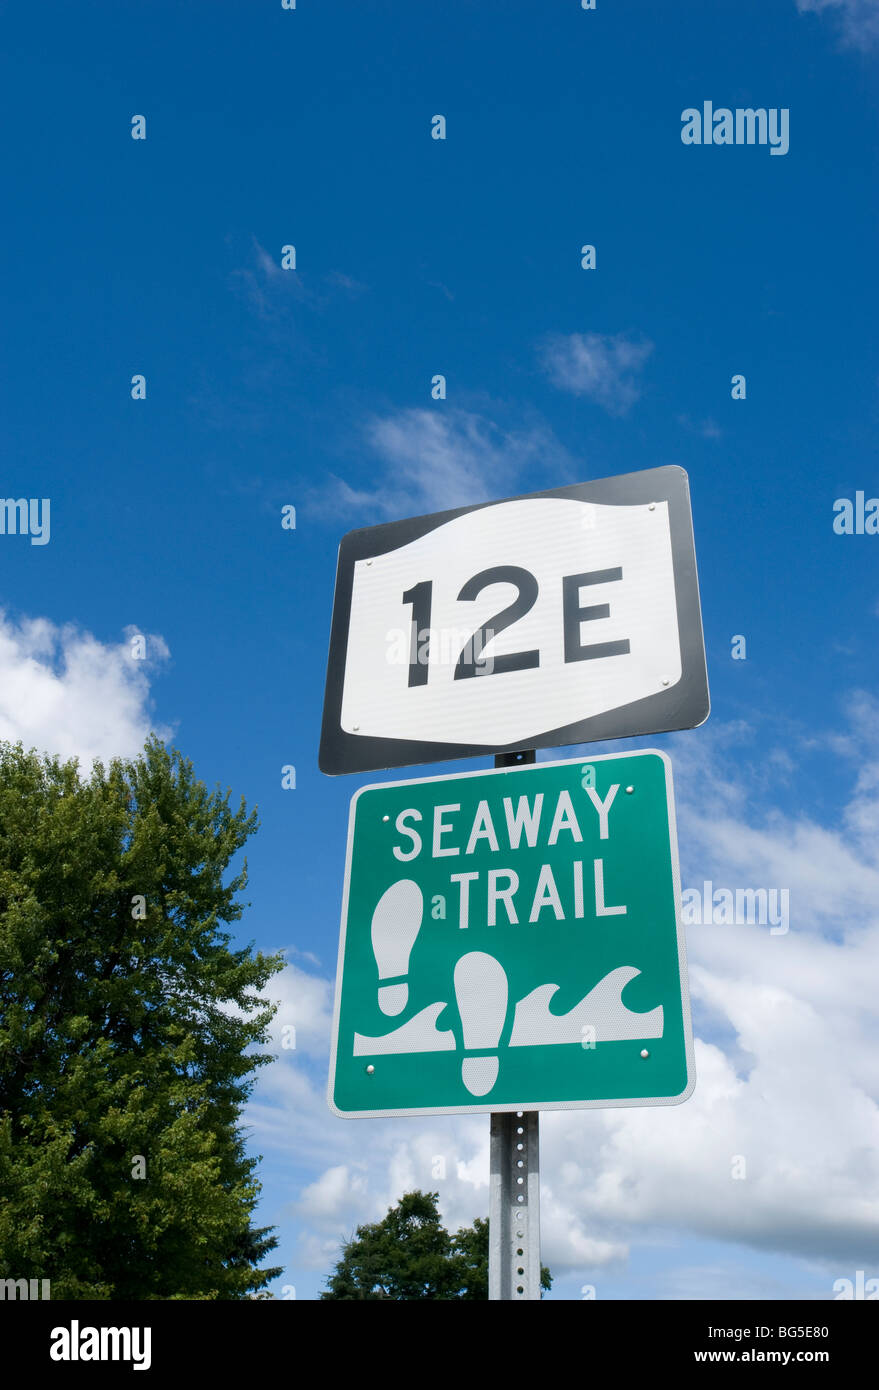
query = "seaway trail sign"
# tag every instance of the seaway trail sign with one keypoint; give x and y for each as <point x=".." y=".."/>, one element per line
<point x="511" y="940"/>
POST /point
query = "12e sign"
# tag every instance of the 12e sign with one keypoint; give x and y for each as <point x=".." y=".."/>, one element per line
<point x="473" y="660"/>
<point x="577" y="609"/>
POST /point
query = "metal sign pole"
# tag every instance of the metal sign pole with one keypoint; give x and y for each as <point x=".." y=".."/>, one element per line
<point x="514" y="1194"/>
<point x="514" y="1207"/>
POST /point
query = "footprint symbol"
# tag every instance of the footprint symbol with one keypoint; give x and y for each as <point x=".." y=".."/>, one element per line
<point x="481" y="991"/>
<point x="396" y="923"/>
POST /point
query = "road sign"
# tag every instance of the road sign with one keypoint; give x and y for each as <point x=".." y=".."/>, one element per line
<point x="554" y="618"/>
<point x="511" y="940"/>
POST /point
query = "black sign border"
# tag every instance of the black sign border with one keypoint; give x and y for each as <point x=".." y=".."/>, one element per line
<point x="684" y="706"/>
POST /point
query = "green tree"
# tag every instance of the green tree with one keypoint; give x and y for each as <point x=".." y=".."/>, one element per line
<point x="128" y="1029"/>
<point x="409" y="1254"/>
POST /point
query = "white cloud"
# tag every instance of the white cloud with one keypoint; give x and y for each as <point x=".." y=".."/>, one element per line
<point x="272" y="291"/>
<point x="706" y="429"/>
<point x="599" y="366"/>
<point x="787" y="1065"/>
<point x="304" y="1003"/>
<point x="268" y="288"/>
<point x="332" y="1193"/>
<point x="434" y="459"/>
<point x="858" y="19"/>
<point x="63" y="691"/>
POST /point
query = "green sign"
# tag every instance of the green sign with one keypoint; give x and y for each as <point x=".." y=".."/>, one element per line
<point x="511" y="939"/>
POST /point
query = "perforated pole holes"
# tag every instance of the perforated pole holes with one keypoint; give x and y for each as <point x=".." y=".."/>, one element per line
<point x="514" y="1212"/>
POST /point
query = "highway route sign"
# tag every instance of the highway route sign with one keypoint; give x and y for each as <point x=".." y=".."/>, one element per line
<point x="555" y="618"/>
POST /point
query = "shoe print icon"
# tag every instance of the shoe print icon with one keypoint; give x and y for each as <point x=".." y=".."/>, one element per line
<point x="396" y="923"/>
<point x="481" y="993"/>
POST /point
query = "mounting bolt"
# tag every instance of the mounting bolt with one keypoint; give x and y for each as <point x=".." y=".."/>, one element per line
<point x="644" y="1053"/>
<point x="370" y="1069"/>
<point x="651" y="507"/>
<point x="629" y="790"/>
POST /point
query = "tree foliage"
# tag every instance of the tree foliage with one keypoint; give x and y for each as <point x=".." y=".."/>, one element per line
<point x="409" y="1254"/>
<point x="127" y="1032"/>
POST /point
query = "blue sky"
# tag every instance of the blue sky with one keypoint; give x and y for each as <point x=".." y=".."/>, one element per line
<point x="267" y="387"/>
